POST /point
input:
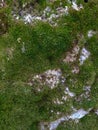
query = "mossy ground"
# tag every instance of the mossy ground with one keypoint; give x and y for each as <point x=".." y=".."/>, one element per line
<point x="21" y="108"/>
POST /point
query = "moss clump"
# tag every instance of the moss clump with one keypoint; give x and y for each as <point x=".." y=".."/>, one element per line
<point x="27" y="50"/>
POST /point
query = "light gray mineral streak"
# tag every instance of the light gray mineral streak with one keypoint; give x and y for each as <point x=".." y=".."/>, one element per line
<point x="84" y="55"/>
<point x="91" y="33"/>
<point x="53" y="125"/>
<point x="76" y="115"/>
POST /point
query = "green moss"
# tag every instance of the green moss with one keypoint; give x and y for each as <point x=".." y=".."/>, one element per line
<point x="21" y="107"/>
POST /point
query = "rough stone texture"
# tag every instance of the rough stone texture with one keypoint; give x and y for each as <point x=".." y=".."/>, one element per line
<point x="50" y="78"/>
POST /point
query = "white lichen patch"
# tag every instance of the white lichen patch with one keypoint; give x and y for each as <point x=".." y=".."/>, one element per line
<point x="58" y="101"/>
<point x="52" y="111"/>
<point x="62" y="10"/>
<point x="50" y="78"/>
<point x="64" y="98"/>
<point x="58" y="113"/>
<point x="68" y="92"/>
<point x="27" y="18"/>
<point x="84" y="55"/>
<point x="19" y="40"/>
<point x="76" y="7"/>
<point x="72" y="56"/>
<point x="2" y="3"/>
<point x="91" y="33"/>
<point x="75" y="70"/>
<point x="87" y="88"/>
<point x="49" y="14"/>
<point x="53" y="77"/>
<point x="96" y="112"/>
